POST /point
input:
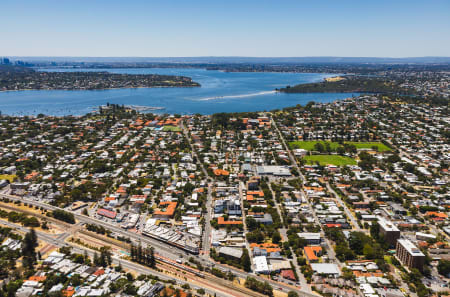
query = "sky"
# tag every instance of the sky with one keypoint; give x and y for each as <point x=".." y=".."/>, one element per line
<point x="190" y="28"/>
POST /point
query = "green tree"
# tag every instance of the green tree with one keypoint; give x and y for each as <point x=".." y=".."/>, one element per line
<point x="28" y="249"/>
<point x="319" y="147"/>
<point x="276" y="237"/>
<point x="245" y="260"/>
<point x="444" y="267"/>
<point x="375" y="230"/>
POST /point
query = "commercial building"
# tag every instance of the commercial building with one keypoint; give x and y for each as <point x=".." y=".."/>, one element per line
<point x="409" y="254"/>
<point x="261" y="265"/>
<point x="328" y="269"/>
<point x="107" y="213"/>
<point x="273" y="170"/>
<point x="230" y="253"/>
<point x="311" y="238"/>
<point x="425" y="236"/>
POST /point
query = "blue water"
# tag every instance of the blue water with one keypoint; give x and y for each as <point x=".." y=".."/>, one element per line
<point x="220" y="92"/>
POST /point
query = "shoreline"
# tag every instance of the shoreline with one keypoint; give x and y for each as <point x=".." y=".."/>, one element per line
<point x="155" y="87"/>
<point x="155" y="109"/>
<point x="74" y="109"/>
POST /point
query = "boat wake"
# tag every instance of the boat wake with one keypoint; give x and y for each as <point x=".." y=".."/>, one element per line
<point x="237" y="96"/>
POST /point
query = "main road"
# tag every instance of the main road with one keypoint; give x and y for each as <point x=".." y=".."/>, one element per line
<point x="162" y="248"/>
<point x="210" y="288"/>
<point x="330" y="251"/>
<point x="206" y="243"/>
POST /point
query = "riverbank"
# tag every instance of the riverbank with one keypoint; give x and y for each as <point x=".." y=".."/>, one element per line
<point x="79" y="80"/>
<point x="219" y="92"/>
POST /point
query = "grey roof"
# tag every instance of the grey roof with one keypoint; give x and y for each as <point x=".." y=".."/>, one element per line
<point x="325" y="268"/>
<point x="233" y="252"/>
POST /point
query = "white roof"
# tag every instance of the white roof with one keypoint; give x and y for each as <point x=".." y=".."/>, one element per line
<point x="410" y="247"/>
<point x="421" y="234"/>
<point x="261" y="264"/>
<point x="309" y="235"/>
<point x="387" y="225"/>
<point x="55" y="254"/>
<point x="237" y="253"/>
<point x="325" y="268"/>
<point x="273" y="169"/>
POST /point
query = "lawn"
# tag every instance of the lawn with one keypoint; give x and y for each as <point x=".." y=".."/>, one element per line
<point x="10" y="177"/>
<point x="309" y="145"/>
<point x="368" y="145"/>
<point x="171" y="128"/>
<point x="330" y="159"/>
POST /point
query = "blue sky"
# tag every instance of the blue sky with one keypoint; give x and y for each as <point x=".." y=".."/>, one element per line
<point x="172" y="28"/>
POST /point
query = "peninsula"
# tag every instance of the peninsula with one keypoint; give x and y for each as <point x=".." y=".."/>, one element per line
<point x="347" y="84"/>
<point x="22" y="78"/>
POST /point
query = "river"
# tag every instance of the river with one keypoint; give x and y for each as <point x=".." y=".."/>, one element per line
<point x="219" y="92"/>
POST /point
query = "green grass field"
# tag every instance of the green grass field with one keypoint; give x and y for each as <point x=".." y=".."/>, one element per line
<point x="171" y="128"/>
<point x="330" y="159"/>
<point x="309" y="145"/>
<point x="368" y="145"/>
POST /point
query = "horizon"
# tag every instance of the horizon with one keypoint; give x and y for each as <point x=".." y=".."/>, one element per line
<point x="259" y="57"/>
<point x="234" y="60"/>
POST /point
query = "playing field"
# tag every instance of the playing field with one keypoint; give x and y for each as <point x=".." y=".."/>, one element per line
<point x="171" y="128"/>
<point x="368" y="145"/>
<point x="309" y="145"/>
<point x="330" y="159"/>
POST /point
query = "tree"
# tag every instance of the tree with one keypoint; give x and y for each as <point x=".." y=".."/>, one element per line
<point x="245" y="260"/>
<point x="76" y="280"/>
<point x="444" y="267"/>
<point x="292" y="294"/>
<point x="368" y="251"/>
<point x="130" y="290"/>
<point x="86" y="257"/>
<point x="262" y="287"/>
<point x="28" y="249"/>
<point x="319" y="147"/>
<point x="152" y="261"/>
<point x="201" y="291"/>
<point x="64" y="216"/>
<point x="252" y="224"/>
<point x="375" y="230"/>
<point x="276" y="237"/>
<point x="96" y="259"/>
<point x="357" y="240"/>
<point x="255" y="236"/>
<point x="105" y="256"/>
